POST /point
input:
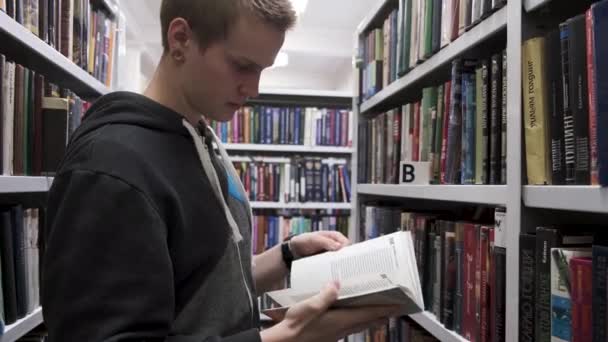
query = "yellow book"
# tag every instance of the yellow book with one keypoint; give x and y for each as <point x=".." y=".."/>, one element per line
<point x="535" y="97"/>
<point x="246" y="118"/>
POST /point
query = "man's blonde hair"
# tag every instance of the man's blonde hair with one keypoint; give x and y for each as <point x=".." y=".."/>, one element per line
<point x="211" y="20"/>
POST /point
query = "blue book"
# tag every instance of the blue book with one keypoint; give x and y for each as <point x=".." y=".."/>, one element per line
<point x="268" y="126"/>
<point x="224" y="132"/>
<point x="281" y="124"/>
<point x="393" y="63"/>
<point x="290" y="126"/>
<point x="346" y="183"/>
<point x="600" y="49"/>
<point x="261" y="125"/>
<point x="296" y="128"/>
<point x="468" y="128"/>
<point x="324" y="182"/>
<point x="319" y="124"/>
<point x="338" y="131"/>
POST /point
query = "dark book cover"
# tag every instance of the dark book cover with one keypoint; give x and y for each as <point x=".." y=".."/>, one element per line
<point x="496" y="4"/>
<point x="445" y="129"/>
<point x="449" y="272"/>
<point x="37" y="124"/>
<point x="496" y="119"/>
<point x="600" y="48"/>
<point x="527" y="287"/>
<point x="428" y="265"/>
<point x="19" y="9"/>
<point x="7" y="252"/>
<point x="486" y="8"/>
<point x="396" y="132"/>
<point x="436" y="26"/>
<point x="460" y="279"/>
<point x="469" y="308"/>
<point x="600" y="293"/>
<point x="362" y="151"/>
<point x="317" y="181"/>
<point x="4" y="87"/>
<point x="454" y="134"/>
<point x="43" y="20"/>
<point x="468" y="128"/>
<point x="499" y="272"/>
<point x="556" y="110"/>
<point x="19" y="249"/>
<point x="484" y="102"/>
<point x="503" y="130"/>
<point x="569" y="134"/>
<point x="282" y="121"/>
<point x="28" y="131"/>
<point x="405" y="29"/>
<point x="19" y="121"/>
<point x="437" y="273"/>
<point x="485" y="285"/>
<point x="577" y="58"/>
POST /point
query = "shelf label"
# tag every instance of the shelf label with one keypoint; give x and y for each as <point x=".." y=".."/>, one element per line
<point x="415" y="173"/>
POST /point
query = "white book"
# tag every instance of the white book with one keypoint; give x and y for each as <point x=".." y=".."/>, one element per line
<point x="350" y="128"/>
<point x="282" y="176"/>
<point x="476" y="11"/>
<point x="421" y="28"/>
<point x="307" y="128"/>
<point x="380" y="271"/>
<point x="446" y="22"/>
<point x="8" y="117"/>
<point x="414" y="34"/>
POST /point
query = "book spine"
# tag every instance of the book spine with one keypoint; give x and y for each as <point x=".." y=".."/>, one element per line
<point x="503" y="126"/>
<point x="468" y="134"/>
<point x="496" y="119"/>
<point x="479" y="126"/>
<point x="555" y="103"/>
<point x="485" y="122"/>
<point x="454" y="129"/>
<point x="569" y="136"/>
<point x="438" y="134"/>
<point x="469" y="310"/>
<point x="578" y="94"/>
<point x="449" y="277"/>
<point x="396" y="131"/>
<point x="593" y="148"/>
<point x="527" y="286"/>
<point x="581" y="289"/>
<point x="600" y="293"/>
<point x="417" y="129"/>
<point x="446" y="22"/>
<point x="444" y="137"/>
<point x="460" y="278"/>
<point x="484" y="265"/>
<point x="499" y="269"/>
<point x="436" y="26"/>
<point x="600" y="49"/>
<point x="546" y="238"/>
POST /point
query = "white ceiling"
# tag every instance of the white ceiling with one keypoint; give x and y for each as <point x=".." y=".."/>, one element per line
<point x="320" y="47"/>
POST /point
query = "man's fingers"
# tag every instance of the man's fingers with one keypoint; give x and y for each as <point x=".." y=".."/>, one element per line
<point x="314" y="306"/>
<point x="363" y="316"/>
<point x="336" y="236"/>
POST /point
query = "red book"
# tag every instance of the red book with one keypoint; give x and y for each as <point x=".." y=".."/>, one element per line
<point x="581" y="284"/>
<point x="446" y="125"/>
<point x="477" y="262"/>
<point x="416" y="146"/>
<point x="592" y="108"/>
<point x="492" y="288"/>
<point x="248" y="181"/>
<point x="469" y="310"/>
<point x="484" y="262"/>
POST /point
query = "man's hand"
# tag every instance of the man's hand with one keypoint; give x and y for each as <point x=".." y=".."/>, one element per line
<point x="312" y="321"/>
<point x="312" y="243"/>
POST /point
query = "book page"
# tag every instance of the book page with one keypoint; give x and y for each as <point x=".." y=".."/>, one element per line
<point x="384" y="255"/>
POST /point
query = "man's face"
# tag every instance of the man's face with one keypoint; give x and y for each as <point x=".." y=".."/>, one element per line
<point x="218" y="79"/>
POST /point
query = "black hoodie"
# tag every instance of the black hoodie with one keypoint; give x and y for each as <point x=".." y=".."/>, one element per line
<point x="143" y="240"/>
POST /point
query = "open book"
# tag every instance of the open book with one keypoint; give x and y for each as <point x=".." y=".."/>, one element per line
<point x="381" y="271"/>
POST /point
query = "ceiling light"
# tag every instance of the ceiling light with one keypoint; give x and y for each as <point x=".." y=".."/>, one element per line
<point x="299" y="6"/>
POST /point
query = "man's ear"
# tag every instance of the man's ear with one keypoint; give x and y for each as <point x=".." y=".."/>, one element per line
<point x="179" y="38"/>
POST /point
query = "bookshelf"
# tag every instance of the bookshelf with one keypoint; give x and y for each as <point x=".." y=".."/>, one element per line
<point x="21" y="327"/>
<point x="16" y="184"/>
<point x="531" y="5"/>
<point x="20" y="44"/>
<point x="288" y="148"/>
<point x="480" y="194"/>
<point x="503" y="28"/>
<point x="485" y="30"/>
<point x="302" y="206"/>
<point x="592" y="199"/>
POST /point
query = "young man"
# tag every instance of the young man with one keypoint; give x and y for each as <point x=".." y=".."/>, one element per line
<point x="148" y="228"/>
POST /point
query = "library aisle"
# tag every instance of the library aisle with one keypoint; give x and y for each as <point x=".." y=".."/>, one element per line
<point x="472" y="130"/>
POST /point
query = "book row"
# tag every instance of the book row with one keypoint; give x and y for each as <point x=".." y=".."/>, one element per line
<point x="271" y="230"/>
<point x="20" y="262"/>
<point x="563" y="276"/>
<point x="565" y="87"/>
<point x="458" y="127"/>
<point x="411" y="34"/>
<point x="287" y="126"/>
<point x="299" y="179"/>
<point x="461" y="264"/>
<point x="37" y="121"/>
<point x="78" y="29"/>
<point x="397" y="330"/>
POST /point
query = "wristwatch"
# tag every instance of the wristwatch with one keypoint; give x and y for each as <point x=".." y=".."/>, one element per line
<point x="288" y="255"/>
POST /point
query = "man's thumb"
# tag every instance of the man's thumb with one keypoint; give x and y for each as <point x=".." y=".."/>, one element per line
<point x="324" y="299"/>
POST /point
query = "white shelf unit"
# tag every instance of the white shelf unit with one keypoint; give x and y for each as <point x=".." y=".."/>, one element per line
<point x="288" y="148"/>
<point x="18" y="329"/>
<point x="17" y="184"/>
<point x="506" y="22"/>
<point x="41" y="56"/>
<point x="531" y="5"/>
<point x="593" y="199"/>
<point x="478" y="34"/>
<point x="297" y="205"/>
<point x="430" y="323"/>
<point x="481" y="194"/>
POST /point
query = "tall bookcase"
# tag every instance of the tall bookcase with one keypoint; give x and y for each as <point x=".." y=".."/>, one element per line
<point x="502" y="28"/>
<point x="527" y="206"/>
<point x="23" y="47"/>
<point x="297" y="98"/>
